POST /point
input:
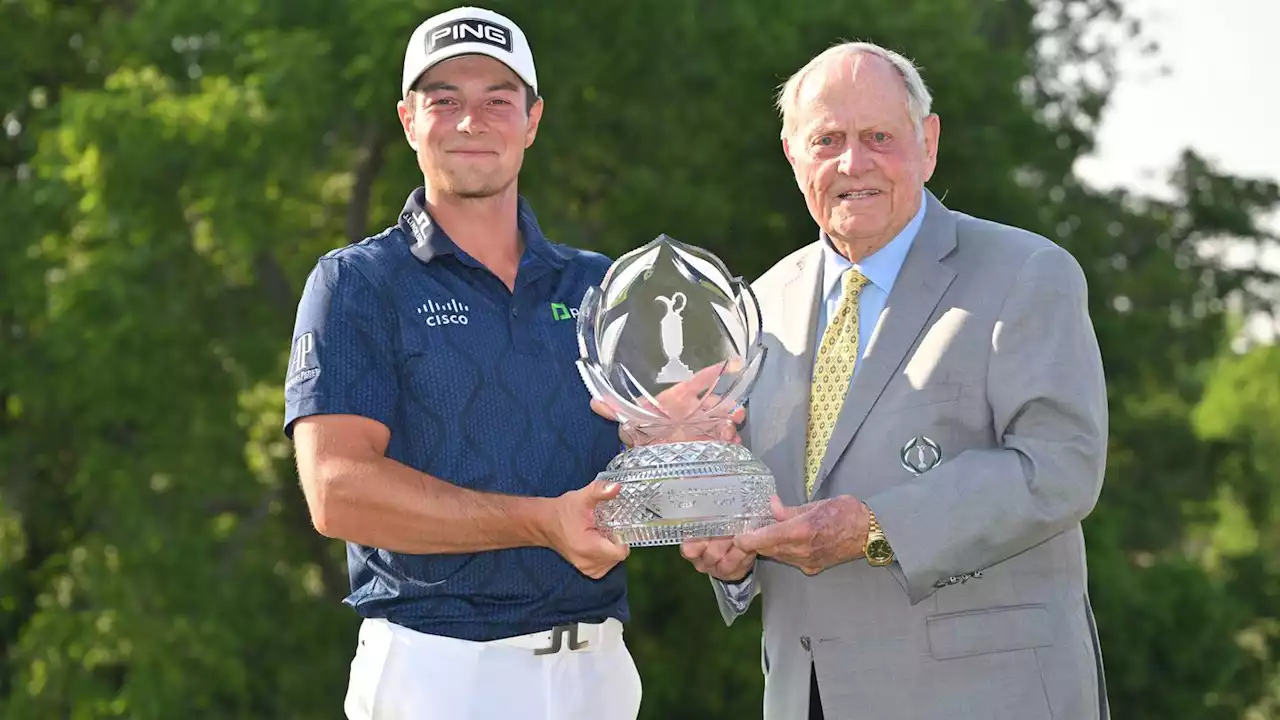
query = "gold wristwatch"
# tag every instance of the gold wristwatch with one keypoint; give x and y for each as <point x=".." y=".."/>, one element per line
<point x="877" y="548"/>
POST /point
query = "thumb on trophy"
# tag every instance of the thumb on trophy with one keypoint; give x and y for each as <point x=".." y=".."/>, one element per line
<point x="781" y="512"/>
<point x="600" y="491"/>
<point x="604" y="409"/>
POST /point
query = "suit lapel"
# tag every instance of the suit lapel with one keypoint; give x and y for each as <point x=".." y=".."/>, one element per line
<point x="800" y="310"/>
<point x="916" y="293"/>
<point x="795" y="334"/>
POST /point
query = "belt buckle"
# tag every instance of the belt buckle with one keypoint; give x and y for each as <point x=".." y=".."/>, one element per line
<point x="557" y="640"/>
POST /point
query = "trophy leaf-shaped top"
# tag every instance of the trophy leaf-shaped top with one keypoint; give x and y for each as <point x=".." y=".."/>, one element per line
<point x="694" y="263"/>
<point x="669" y="314"/>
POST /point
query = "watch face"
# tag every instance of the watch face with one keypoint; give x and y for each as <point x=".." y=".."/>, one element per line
<point x="878" y="550"/>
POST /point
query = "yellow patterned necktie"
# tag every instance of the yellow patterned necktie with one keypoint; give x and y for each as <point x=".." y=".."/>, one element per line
<point x="831" y="373"/>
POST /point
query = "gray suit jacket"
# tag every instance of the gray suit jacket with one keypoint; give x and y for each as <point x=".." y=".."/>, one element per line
<point x="985" y="347"/>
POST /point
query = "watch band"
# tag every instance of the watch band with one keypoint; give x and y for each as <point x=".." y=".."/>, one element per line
<point x="875" y="537"/>
<point x="874" y="527"/>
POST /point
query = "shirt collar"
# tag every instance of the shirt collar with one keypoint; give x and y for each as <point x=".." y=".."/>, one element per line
<point x="881" y="267"/>
<point x="427" y="240"/>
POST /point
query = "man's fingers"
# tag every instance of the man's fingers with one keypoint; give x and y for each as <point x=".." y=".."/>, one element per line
<point x="709" y="554"/>
<point x="600" y="491"/>
<point x="692" y="389"/>
<point x="621" y="549"/>
<point x="713" y="556"/>
<point x="604" y="410"/>
<point x="692" y="549"/>
<point x="598" y="557"/>
<point x="612" y="550"/>
<point x="704" y="378"/>
<point x="732" y="561"/>
<point x="715" y="550"/>
<point x="761" y="541"/>
<point x="728" y="432"/>
<point x="781" y="512"/>
<point x="790" y="528"/>
<point x="628" y="435"/>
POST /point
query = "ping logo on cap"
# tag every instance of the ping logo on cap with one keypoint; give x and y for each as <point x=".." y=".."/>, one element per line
<point x="468" y="30"/>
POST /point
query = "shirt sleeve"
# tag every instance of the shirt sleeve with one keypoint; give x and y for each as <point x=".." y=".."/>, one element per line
<point x="739" y="594"/>
<point x="342" y="356"/>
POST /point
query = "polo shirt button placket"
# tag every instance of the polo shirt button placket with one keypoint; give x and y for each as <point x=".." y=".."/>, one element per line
<point x="519" y="340"/>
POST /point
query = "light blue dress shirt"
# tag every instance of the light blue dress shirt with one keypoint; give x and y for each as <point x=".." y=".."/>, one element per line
<point x="881" y="268"/>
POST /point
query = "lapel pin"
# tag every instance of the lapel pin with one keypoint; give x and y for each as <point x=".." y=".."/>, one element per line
<point x="920" y="455"/>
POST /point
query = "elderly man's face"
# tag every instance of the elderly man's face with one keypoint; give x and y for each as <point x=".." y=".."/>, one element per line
<point x="856" y="155"/>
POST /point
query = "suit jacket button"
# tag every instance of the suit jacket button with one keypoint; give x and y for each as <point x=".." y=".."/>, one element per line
<point x="804" y="642"/>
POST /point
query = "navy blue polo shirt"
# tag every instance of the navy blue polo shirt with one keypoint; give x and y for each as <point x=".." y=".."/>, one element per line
<point x="478" y="387"/>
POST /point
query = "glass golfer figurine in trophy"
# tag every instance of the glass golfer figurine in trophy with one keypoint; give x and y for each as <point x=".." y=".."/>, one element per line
<point x="672" y="344"/>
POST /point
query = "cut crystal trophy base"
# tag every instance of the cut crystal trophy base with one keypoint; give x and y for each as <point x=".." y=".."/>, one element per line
<point x="672" y="492"/>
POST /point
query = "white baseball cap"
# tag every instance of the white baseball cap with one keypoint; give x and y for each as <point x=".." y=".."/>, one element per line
<point x="468" y="31"/>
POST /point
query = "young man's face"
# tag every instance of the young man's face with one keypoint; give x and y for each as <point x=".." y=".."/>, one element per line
<point x="469" y="123"/>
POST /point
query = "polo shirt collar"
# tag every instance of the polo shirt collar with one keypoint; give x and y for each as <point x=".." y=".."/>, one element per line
<point x="427" y="240"/>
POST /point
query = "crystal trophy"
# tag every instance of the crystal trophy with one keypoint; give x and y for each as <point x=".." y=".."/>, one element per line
<point x="671" y="342"/>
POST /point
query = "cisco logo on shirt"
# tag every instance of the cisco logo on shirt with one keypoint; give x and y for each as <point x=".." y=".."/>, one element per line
<point x="451" y="313"/>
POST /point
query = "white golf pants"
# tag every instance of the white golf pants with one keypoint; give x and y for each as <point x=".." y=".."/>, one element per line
<point x="401" y="674"/>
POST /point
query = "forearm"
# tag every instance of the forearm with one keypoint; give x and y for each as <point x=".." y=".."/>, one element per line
<point x="382" y="503"/>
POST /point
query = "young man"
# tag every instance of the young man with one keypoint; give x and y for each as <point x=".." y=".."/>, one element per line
<point x="441" y="428"/>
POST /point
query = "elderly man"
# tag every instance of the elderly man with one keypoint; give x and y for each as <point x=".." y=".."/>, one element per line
<point x="934" y="410"/>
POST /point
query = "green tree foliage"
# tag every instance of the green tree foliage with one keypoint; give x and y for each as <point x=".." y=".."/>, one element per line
<point x="170" y="171"/>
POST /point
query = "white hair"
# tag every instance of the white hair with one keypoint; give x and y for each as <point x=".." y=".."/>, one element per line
<point x="919" y="101"/>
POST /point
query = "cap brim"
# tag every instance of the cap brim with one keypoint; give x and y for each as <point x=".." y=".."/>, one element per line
<point x="458" y="51"/>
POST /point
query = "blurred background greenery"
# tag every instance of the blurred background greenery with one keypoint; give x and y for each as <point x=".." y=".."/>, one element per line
<point x="170" y="171"/>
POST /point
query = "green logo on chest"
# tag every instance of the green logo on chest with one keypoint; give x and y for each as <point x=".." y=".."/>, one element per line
<point x="560" y="311"/>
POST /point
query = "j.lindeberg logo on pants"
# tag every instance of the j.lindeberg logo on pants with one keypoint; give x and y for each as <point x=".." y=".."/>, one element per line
<point x="450" y="313"/>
